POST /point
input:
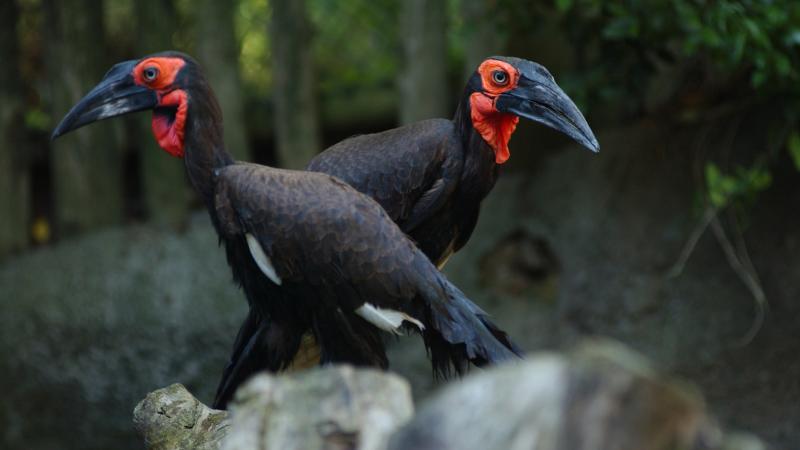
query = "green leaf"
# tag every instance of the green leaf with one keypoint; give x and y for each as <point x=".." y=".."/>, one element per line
<point x="38" y="120"/>
<point x="738" y="48"/>
<point x="563" y="5"/>
<point x="759" y="78"/>
<point x="793" y="145"/>
<point x="792" y="38"/>
<point x="714" y="180"/>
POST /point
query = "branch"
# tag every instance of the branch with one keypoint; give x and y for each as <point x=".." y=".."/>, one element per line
<point x="748" y="277"/>
<point x="677" y="269"/>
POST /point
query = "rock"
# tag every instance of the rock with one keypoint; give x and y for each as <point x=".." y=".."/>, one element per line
<point x="334" y="408"/>
<point x="87" y="327"/>
<point x="173" y="419"/>
<point x="520" y="264"/>
<point x="743" y="441"/>
<point x="600" y="397"/>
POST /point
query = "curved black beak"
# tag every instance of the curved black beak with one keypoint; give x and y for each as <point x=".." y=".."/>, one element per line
<point x="116" y="95"/>
<point x="539" y="98"/>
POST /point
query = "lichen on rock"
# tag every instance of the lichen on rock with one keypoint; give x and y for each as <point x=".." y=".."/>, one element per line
<point x="173" y="419"/>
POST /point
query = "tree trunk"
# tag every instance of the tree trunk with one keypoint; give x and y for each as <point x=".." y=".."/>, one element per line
<point x="423" y="86"/>
<point x="296" y="119"/>
<point x="483" y="39"/>
<point x="14" y="183"/>
<point x="165" y="190"/>
<point x="217" y="50"/>
<point x="87" y="164"/>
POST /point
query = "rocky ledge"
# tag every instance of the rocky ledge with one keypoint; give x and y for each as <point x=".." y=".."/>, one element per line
<point x="600" y="396"/>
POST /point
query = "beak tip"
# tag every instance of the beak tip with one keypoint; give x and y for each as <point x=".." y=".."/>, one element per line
<point x="65" y="126"/>
<point x="59" y="131"/>
<point x="591" y="144"/>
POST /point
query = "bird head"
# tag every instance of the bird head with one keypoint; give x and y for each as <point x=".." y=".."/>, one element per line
<point x="161" y="83"/>
<point x="503" y="89"/>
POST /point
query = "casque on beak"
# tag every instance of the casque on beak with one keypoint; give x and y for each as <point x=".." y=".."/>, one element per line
<point x="537" y="97"/>
<point x="115" y="95"/>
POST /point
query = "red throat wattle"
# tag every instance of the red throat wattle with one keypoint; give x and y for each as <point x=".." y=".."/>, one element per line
<point x="168" y="131"/>
<point x="169" y="117"/>
<point x="494" y="126"/>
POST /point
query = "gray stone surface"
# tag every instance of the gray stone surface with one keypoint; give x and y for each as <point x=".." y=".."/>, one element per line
<point x="90" y="326"/>
<point x="323" y="409"/>
<point x="601" y="397"/>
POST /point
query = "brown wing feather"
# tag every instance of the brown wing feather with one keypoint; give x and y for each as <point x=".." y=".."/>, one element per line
<point x="319" y="231"/>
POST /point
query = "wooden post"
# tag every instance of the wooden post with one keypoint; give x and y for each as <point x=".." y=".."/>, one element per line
<point x="484" y="37"/>
<point x="217" y="50"/>
<point x="423" y="83"/>
<point x="14" y="182"/>
<point x="165" y="188"/>
<point x="296" y="119"/>
<point x="87" y="164"/>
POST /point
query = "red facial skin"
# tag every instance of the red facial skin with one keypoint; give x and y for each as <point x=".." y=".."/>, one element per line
<point x="494" y="126"/>
<point x="168" y="135"/>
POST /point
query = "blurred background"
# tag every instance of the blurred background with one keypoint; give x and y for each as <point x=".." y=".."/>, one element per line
<point x="681" y="238"/>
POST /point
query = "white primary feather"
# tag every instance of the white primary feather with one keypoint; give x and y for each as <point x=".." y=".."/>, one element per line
<point x="261" y="259"/>
<point x="386" y="319"/>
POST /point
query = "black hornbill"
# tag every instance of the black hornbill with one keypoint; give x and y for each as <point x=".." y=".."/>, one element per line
<point x="431" y="176"/>
<point x="310" y="252"/>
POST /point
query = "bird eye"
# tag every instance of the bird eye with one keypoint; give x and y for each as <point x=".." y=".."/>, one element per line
<point x="150" y="73"/>
<point x="500" y="77"/>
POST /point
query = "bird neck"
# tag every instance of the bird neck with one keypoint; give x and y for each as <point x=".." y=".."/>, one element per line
<point x="204" y="146"/>
<point x="480" y="169"/>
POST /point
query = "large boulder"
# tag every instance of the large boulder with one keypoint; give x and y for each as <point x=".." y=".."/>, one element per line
<point x="88" y="327"/>
<point x="598" y="397"/>
<point x="602" y="397"/>
<point x="332" y="408"/>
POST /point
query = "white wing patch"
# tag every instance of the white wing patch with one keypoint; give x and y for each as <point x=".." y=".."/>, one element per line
<point x="261" y="259"/>
<point x="386" y="319"/>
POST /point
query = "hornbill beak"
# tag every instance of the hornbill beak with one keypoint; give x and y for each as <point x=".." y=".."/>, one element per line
<point x="539" y="98"/>
<point x="115" y="95"/>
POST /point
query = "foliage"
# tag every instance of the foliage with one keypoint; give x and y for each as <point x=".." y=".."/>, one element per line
<point x="760" y="37"/>
<point x="751" y="47"/>
<point x="357" y="46"/>
<point x="250" y="23"/>
<point x="793" y="145"/>
<point x="742" y="185"/>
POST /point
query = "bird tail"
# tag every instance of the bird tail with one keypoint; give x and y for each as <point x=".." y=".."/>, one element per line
<point x="461" y="333"/>
<point x="259" y="345"/>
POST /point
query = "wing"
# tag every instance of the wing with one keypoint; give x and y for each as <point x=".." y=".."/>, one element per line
<point x="311" y="229"/>
<point x="410" y="171"/>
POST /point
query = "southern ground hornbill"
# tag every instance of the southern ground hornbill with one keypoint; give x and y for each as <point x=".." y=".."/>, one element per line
<point x="311" y="253"/>
<point x="431" y="176"/>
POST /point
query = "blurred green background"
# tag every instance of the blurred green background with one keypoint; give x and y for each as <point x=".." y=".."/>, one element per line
<point x="680" y="238"/>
